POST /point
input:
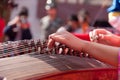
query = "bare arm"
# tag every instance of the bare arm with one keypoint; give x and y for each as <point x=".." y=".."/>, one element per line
<point x="101" y="52"/>
<point x="105" y="53"/>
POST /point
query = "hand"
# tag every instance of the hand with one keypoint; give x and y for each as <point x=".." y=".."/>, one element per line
<point x="105" y="37"/>
<point x="66" y="38"/>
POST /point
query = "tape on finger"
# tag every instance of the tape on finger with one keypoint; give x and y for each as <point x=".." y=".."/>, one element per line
<point x="93" y="37"/>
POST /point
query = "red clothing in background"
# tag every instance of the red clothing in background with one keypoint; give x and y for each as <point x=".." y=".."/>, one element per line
<point x="82" y="36"/>
<point x="2" y="25"/>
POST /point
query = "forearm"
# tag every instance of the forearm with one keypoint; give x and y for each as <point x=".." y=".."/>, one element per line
<point x="102" y="52"/>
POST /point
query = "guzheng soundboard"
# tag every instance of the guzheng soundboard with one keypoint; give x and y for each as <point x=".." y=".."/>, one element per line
<point x="27" y="66"/>
<point x="37" y="61"/>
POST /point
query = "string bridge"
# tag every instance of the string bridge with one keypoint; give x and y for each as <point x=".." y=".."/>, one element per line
<point x="15" y="48"/>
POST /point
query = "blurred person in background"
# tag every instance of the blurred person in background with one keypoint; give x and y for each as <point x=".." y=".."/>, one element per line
<point x="19" y="27"/>
<point x="2" y="25"/>
<point x="104" y="36"/>
<point x="51" y="22"/>
<point x="114" y="14"/>
<point x="83" y="16"/>
<point x="72" y="25"/>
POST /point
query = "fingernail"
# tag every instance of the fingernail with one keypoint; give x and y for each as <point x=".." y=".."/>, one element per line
<point x="101" y="36"/>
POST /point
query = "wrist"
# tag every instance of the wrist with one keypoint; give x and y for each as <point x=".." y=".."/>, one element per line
<point x="118" y="40"/>
<point x="82" y="45"/>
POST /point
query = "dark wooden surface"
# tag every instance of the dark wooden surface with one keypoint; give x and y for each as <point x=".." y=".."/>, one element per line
<point x="24" y="66"/>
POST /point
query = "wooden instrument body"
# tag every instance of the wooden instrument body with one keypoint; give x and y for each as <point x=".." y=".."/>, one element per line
<point x="88" y="74"/>
<point x="55" y="64"/>
<point x="37" y="66"/>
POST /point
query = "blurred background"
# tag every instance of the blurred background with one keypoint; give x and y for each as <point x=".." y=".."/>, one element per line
<point x="66" y="9"/>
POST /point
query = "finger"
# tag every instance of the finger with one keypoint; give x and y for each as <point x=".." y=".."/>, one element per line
<point x="61" y="37"/>
<point x="51" y="43"/>
<point x="100" y="31"/>
<point x="107" y="37"/>
<point x="101" y="36"/>
<point x="58" y="38"/>
<point x="93" y="36"/>
<point x="97" y="34"/>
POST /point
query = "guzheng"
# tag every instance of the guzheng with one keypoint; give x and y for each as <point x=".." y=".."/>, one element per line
<point x="44" y="64"/>
<point x="9" y="48"/>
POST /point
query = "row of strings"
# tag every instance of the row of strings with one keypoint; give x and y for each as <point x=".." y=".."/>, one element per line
<point x="15" y="48"/>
